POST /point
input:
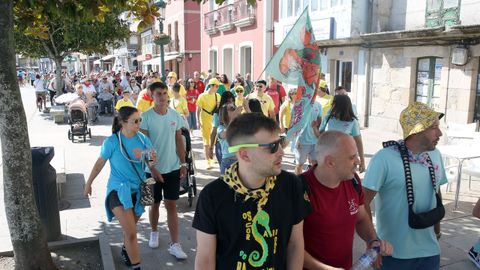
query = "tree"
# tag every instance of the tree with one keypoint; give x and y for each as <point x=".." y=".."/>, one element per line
<point x="64" y="35"/>
<point x="28" y="239"/>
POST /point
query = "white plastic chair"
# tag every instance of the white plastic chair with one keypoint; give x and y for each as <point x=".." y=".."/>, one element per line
<point x="472" y="168"/>
<point x="451" y="171"/>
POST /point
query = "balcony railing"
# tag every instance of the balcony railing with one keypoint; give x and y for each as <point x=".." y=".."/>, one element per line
<point x="239" y="14"/>
<point x="244" y="14"/>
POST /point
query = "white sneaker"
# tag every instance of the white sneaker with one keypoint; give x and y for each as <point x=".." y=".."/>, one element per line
<point x="153" y="242"/>
<point x="176" y="250"/>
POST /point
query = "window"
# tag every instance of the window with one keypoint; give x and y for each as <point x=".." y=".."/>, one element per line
<point x="476" y="115"/>
<point x="323" y="4"/>
<point x="298" y="7"/>
<point x="245" y="60"/>
<point x="228" y="62"/>
<point x="314" y="5"/>
<point x="442" y="13"/>
<point x="213" y="60"/>
<point x="428" y="81"/>
<point x="343" y="75"/>
<point x="289" y="8"/>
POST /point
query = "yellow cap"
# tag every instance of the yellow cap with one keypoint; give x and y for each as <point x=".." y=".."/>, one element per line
<point x="323" y="84"/>
<point x="417" y="117"/>
<point x="239" y="87"/>
<point x="214" y="81"/>
<point x="172" y="74"/>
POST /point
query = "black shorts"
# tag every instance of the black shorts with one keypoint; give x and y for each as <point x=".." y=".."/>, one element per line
<point x="170" y="189"/>
<point x="113" y="200"/>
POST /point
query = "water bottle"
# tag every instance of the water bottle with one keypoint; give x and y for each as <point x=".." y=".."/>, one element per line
<point x="365" y="261"/>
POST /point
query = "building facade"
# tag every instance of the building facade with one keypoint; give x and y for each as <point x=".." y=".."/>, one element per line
<point x="237" y="38"/>
<point x="182" y="54"/>
<point x="390" y="53"/>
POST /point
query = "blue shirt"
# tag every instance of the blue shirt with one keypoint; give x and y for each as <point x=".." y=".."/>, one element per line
<point x="385" y="175"/>
<point x="308" y="136"/>
<point x="215" y="121"/>
<point x="162" y="131"/>
<point x="351" y="128"/>
<point x="223" y="142"/>
<point x="123" y="178"/>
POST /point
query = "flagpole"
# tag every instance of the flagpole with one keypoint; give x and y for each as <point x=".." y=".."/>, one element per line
<point x="304" y="10"/>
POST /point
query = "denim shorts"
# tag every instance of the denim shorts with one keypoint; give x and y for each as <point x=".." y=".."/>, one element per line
<point x="306" y="150"/>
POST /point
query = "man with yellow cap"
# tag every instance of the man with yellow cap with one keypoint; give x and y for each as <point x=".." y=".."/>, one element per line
<point x="323" y="97"/>
<point x="207" y="103"/>
<point x="171" y="80"/>
<point x="407" y="175"/>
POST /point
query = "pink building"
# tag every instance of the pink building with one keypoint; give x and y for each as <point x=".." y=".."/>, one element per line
<point x="182" y="54"/>
<point x="237" y="37"/>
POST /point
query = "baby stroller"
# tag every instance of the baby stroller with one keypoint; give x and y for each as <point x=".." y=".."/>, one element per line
<point x="77" y="119"/>
<point x="189" y="184"/>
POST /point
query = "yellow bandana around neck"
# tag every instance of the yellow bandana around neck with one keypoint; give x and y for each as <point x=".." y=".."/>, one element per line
<point x="232" y="179"/>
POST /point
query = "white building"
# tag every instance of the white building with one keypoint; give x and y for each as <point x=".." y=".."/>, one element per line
<point x="391" y="53"/>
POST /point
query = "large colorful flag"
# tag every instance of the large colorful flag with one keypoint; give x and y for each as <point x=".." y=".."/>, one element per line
<point x="297" y="62"/>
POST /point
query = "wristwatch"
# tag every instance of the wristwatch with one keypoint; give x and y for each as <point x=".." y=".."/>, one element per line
<point x="183" y="165"/>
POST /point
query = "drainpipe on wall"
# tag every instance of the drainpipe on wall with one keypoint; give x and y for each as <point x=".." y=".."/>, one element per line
<point x="448" y="84"/>
<point x="268" y="28"/>
<point x="369" y="68"/>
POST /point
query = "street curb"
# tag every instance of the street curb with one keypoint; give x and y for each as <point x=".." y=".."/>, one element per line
<point x="105" y="250"/>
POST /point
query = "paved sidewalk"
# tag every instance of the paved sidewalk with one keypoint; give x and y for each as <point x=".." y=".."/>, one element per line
<point x="83" y="217"/>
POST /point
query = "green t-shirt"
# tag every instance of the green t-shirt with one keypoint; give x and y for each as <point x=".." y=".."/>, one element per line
<point x="162" y="131"/>
<point x="385" y="175"/>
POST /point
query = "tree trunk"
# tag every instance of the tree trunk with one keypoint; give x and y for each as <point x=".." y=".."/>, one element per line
<point x="28" y="239"/>
<point x="58" y="75"/>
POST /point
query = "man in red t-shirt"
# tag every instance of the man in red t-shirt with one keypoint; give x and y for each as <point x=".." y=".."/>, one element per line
<point x="277" y="93"/>
<point x="336" y="199"/>
<point x="199" y="84"/>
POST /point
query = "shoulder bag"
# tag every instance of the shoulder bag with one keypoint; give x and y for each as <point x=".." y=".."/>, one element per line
<point x="146" y="186"/>
<point x="425" y="219"/>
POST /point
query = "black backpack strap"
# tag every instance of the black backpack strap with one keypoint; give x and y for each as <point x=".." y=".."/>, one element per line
<point x="356" y="184"/>
<point x="304" y="183"/>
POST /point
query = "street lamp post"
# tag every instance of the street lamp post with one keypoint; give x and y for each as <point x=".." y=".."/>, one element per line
<point x="161" y="7"/>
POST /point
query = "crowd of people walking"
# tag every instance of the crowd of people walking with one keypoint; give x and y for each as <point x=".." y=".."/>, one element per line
<point x="257" y="215"/>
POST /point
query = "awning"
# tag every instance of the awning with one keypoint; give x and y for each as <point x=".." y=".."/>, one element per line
<point x="171" y="57"/>
<point x="108" y="57"/>
<point x="96" y="62"/>
<point x="153" y="61"/>
<point x="156" y="60"/>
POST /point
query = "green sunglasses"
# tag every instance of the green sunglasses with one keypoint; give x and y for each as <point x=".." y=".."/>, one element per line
<point x="272" y="146"/>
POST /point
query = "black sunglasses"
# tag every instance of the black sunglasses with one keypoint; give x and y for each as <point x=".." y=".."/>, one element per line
<point x="272" y="146"/>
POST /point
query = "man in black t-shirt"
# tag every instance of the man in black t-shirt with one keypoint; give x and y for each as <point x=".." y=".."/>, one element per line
<point x="252" y="218"/>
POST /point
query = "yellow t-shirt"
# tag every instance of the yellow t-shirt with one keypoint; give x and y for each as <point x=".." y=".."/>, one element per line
<point x="239" y="102"/>
<point x="121" y="103"/>
<point x="326" y="102"/>
<point x="182" y="92"/>
<point x="287" y="113"/>
<point x="265" y="101"/>
<point x="207" y="102"/>
<point x="180" y="105"/>
<point x="142" y="104"/>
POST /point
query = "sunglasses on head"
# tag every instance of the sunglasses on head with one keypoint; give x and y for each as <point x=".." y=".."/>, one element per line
<point x="273" y="147"/>
<point x="136" y="121"/>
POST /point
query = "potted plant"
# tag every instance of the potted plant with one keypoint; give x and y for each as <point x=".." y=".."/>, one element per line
<point x="161" y="39"/>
